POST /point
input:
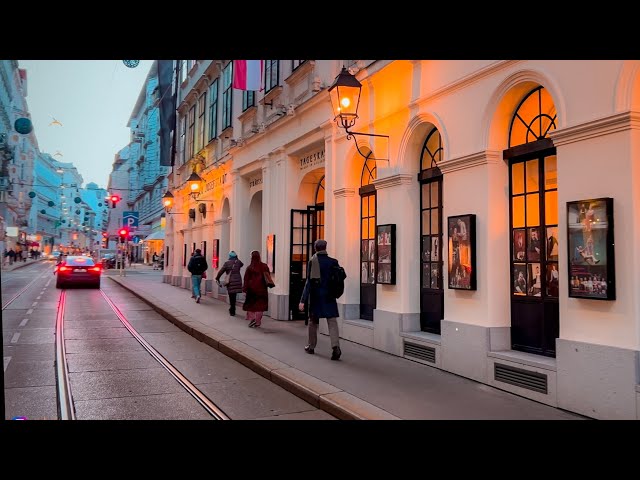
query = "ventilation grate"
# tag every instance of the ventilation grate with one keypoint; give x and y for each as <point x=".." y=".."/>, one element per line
<point x="420" y="352"/>
<point x="520" y="378"/>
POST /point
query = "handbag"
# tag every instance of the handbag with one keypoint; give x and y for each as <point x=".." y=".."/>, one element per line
<point x="267" y="279"/>
<point x="227" y="276"/>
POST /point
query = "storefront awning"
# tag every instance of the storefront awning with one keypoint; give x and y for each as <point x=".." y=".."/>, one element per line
<point x="155" y="236"/>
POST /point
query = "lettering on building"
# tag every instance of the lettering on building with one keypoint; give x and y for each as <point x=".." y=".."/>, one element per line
<point x="314" y="159"/>
<point x="216" y="182"/>
<point x="254" y="182"/>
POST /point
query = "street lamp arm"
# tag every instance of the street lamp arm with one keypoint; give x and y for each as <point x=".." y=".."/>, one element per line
<point x="350" y="135"/>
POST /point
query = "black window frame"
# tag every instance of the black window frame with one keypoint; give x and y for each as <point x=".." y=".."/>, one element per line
<point x="202" y="121"/>
<point x="213" y="109"/>
<point x="191" y="133"/>
<point x="248" y="99"/>
<point x="183" y="138"/>
<point x="271" y="66"/>
<point x="227" y="96"/>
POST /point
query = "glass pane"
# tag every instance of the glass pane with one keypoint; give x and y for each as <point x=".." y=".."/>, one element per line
<point x="372" y="228"/>
<point x="364" y="272"/>
<point x="517" y="178"/>
<point x="552" y="243"/>
<point x="518" y="133"/>
<point x="364" y="251"/>
<point x="435" y="248"/>
<point x="519" y="279"/>
<point x="551" y="207"/>
<point x="532" y="176"/>
<point x="425" y="195"/>
<point x="533" y="245"/>
<point x="372" y="205"/>
<point x="549" y="112"/>
<point x="297" y="236"/>
<point x="552" y="279"/>
<point x="535" y="280"/>
<point x="372" y="272"/>
<point x="426" y="277"/>
<point x="435" y="194"/>
<point x="550" y="172"/>
<point x="435" y="221"/>
<point x="365" y="228"/>
<point x="426" y="222"/>
<point x="528" y="111"/>
<point x="435" y="275"/>
<point x="533" y="210"/>
<point x="519" y="244"/>
<point x="517" y="207"/>
<point x="365" y="206"/>
<point x="426" y="248"/>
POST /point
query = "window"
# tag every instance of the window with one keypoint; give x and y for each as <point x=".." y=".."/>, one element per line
<point x="213" y="109"/>
<point x="191" y="132"/>
<point x="367" y="239"/>
<point x="248" y="99"/>
<point x="202" y="120"/>
<point x="296" y="63"/>
<point x="182" y="145"/>
<point x="227" y="75"/>
<point x="183" y="70"/>
<point x="271" y="75"/>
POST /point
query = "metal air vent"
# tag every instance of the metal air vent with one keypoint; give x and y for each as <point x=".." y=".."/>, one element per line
<point x="520" y="378"/>
<point x="420" y="352"/>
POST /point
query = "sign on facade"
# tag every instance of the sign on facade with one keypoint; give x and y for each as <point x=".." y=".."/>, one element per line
<point x="129" y="219"/>
<point x="312" y="160"/>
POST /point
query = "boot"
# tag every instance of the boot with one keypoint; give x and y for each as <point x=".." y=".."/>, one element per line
<point x="336" y="353"/>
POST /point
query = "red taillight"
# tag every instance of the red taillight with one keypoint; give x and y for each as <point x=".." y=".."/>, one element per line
<point x="95" y="269"/>
<point x="63" y="269"/>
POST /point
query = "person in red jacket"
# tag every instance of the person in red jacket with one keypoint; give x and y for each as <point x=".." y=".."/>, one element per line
<point x="255" y="288"/>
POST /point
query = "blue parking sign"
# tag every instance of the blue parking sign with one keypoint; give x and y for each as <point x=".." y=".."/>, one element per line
<point x="129" y="219"/>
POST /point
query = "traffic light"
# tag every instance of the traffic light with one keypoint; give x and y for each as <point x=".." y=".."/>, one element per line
<point x="114" y="200"/>
<point x="124" y="234"/>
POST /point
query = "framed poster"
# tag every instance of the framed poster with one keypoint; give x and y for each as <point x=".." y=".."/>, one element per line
<point x="215" y="253"/>
<point x="386" y="245"/>
<point x="590" y="249"/>
<point x="462" y="252"/>
<point x="271" y="252"/>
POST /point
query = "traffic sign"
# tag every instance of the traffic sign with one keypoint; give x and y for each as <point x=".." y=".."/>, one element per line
<point x="129" y="219"/>
<point x="136" y="239"/>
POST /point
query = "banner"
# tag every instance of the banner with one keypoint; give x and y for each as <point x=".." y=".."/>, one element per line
<point x="166" y="75"/>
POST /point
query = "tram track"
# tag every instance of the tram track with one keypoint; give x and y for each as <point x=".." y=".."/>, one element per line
<point x="23" y="290"/>
<point x="65" y="394"/>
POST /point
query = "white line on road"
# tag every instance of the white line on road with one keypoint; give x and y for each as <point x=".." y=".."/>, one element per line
<point x="15" y="337"/>
<point x="30" y="311"/>
<point x="48" y="283"/>
<point x="24" y="322"/>
<point x="34" y="304"/>
<point x="38" y="298"/>
<point x="6" y="362"/>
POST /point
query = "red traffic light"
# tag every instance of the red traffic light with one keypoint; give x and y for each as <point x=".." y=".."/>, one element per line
<point x="123" y="232"/>
<point x="115" y="198"/>
<point x="105" y="234"/>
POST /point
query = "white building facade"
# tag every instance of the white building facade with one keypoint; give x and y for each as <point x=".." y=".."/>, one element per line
<point x="540" y="154"/>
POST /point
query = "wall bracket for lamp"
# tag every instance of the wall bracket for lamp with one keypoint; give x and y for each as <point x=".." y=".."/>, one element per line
<point x="351" y="134"/>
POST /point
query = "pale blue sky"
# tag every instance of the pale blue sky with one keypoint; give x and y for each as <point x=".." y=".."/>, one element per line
<point x="93" y="100"/>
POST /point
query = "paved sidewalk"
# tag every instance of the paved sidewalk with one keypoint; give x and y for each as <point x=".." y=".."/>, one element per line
<point x="20" y="264"/>
<point x="364" y="384"/>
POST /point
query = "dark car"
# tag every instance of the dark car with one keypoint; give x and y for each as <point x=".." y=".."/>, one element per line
<point x="109" y="261"/>
<point x="78" y="270"/>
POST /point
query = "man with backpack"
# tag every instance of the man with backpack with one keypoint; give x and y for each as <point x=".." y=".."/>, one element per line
<point x="325" y="283"/>
<point x="197" y="266"/>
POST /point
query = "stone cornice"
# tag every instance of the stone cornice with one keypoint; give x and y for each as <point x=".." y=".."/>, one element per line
<point x="596" y="128"/>
<point x="393" y="180"/>
<point x="470" y="161"/>
<point x="344" y="192"/>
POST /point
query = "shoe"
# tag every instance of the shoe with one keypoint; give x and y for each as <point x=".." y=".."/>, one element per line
<point x="252" y="323"/>
<point x="308" y="349"/>
<point x="198" y="299"/>
<point x="193" y="296"/>
<point x="336" y="353"/>
<point x="232" y="312"/>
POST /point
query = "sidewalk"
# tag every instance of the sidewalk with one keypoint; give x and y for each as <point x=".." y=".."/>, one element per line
<point x="20" y="264"/>
<point x="364" y="384"/>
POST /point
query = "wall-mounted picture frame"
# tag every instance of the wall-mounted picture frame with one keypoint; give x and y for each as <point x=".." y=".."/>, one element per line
<point x="386" y="259"/>
<point x="591" y="249"/>
<point x="215" y="253"/>
<point x="462" y="252"/>
<point x="271" y="252"/>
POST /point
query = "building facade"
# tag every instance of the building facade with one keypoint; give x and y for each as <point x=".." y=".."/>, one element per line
<point x="46" y="212"/>
<point x="487" y="230"/>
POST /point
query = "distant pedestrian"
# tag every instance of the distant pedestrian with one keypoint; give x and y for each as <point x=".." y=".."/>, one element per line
<point x="234" y="287"/>
<point x="197" y="266"/>
<point x="255" y="287"/>
<point x="321" y="303"/>
<point x="12" y="255"/>
<point x="154" y="259"/>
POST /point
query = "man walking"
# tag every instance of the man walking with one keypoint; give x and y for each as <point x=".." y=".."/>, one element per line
<point x="197" y="266"/>
<point x="321" y="303"/>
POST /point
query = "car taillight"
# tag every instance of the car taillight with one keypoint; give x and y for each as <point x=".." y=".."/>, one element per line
<point x="95" y="269"/>
<point x="63" y="269"/>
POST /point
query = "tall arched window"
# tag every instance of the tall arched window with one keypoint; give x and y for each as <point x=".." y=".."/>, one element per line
<point x="320" y="211"/>
<point x="431" y="291"/>
<point x="533" y="189"/>
<point x="367" y="239"/>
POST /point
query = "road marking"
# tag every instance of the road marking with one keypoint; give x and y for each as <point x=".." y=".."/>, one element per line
<point x="34" y="304"/>
<point x="30" y="311"/>
<point x="6" y="362"/>
<point x="24" y="322"/>
<point x="15" y="337"/>
<point x="38" y="298"/>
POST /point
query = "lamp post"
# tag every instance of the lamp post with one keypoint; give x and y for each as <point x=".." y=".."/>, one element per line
<point x="195" y="183"/>
<point x="345" y="100"/>
<point x="167" y="201"/>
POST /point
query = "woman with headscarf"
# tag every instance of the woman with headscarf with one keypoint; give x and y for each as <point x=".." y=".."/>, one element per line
<point x="255" y="286"/>
<point x="234" y="287"/>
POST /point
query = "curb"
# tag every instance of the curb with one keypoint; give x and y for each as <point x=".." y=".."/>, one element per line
<point x="24" y="265"/>
<point x="318" y="393"/>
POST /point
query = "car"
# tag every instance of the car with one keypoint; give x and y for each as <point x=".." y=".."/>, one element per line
<point x="78" y="270"/>
<point x="108" y="260"/>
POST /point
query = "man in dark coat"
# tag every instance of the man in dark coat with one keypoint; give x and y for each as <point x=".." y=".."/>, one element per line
<point x="234" y="287"/>
<point x="321" y="303"/>
<point x="197" y="266"/>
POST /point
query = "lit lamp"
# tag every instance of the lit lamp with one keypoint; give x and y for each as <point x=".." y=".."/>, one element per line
<point x="345" y="100"/>
<point x="167" y="201"/>
<point x="194" y="182"/>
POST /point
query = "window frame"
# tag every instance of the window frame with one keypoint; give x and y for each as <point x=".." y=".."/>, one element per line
<point x="191" y="131"/>
<point x="227" y="96"/>
<point x="248" y="99"/>
<point x="268" y="74"/>
<point x="213" y="109"/>
<point x="202" y="121"/>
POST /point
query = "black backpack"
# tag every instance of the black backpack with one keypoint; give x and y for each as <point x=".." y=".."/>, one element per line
<point x="336" y="281"/>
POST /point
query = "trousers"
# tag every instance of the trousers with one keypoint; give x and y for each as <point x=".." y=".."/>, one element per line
<point x="334" y="334"/>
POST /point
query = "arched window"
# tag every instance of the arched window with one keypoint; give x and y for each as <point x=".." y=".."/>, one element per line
<point x="367" y="239"/>
<point x="320" y="211"/>
<point x="533" y="190"/>
<point x="431" y="291"/>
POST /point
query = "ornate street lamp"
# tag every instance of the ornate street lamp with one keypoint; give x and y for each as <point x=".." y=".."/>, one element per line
<point x="195" y="184"/>
<point x="167" y="201"/>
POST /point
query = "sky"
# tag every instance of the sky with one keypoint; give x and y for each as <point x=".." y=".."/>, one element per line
<point x="93" y="100"/>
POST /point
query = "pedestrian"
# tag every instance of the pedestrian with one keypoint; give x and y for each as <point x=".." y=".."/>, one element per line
<point x="154" y="259"/>
<point x="321" y="303"/>
<point x="255" y="286"/>
<point x="12" y="255"/>
<point x="197" y="266"/>
<point x="234" y="287"/>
